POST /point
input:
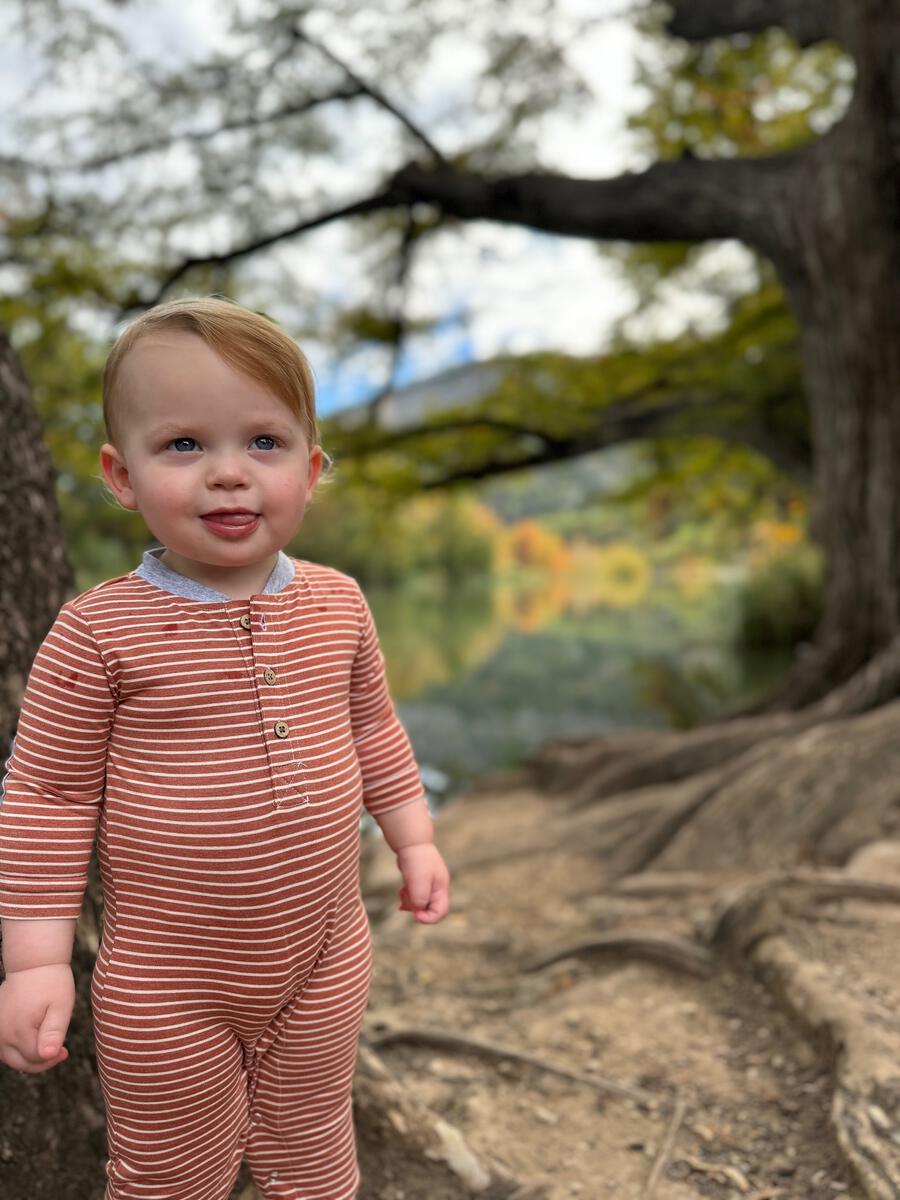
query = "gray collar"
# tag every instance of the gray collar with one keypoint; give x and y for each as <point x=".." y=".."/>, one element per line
<point x="164" y="577"/>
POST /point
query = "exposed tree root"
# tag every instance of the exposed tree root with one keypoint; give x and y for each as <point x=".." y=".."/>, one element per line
<point x="663" y="948"/>
<point x="876" y="683"/>
<point x="758" y="923"/>
<point x="622" y="762"/>
<point x="762" y="905"/>
<point x="810" y="686"/>
<point x="865" y="1063"/>
<point x="630" y="832"/>
<point x="486" y="1049"/>
<point x="648" y="884"/>
<point x="744" y="780"/>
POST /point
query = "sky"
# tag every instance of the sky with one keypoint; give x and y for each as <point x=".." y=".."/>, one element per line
<point x="496" y="289"/>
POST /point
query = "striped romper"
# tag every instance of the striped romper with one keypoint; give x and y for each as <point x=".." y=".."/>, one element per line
<point x="227" y="747"/>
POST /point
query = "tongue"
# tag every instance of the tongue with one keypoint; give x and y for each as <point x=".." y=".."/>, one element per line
<point x="232" y="518"/>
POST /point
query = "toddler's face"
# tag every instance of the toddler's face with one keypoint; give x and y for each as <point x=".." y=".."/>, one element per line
<point x="201" y="437"/>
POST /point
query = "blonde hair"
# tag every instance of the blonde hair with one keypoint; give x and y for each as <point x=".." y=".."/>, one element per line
<point x="246" y="340"/>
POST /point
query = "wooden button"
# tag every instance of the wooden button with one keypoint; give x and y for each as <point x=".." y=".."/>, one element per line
<point x="281" y="729"/>
<point x="245" y="621"/>
<point x="269" y="675"/>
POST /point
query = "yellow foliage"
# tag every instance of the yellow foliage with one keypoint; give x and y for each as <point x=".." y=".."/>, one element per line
<point x="528" y="545"/>
<point x="616" y="575"/>
<point x="693" y="575"/>
<point x="770" y="539"/>
<point x="531" y="608"/>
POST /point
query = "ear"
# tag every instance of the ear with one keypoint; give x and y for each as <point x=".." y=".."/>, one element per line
<point x="316" y="459"/>
<point x="115" y="472"/>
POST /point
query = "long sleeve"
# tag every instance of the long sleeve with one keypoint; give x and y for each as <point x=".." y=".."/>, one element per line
<point x="54" y="784"/>
<point x="389" y="771"/>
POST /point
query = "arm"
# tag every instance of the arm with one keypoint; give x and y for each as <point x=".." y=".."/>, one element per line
<point x="426" y="881"/>
<point x="48" y="813"/>
<point x="29" y="944"/>
<point x="392" y="788"/>
<point x="390" y="775"/>
<point x="56" y="776"/>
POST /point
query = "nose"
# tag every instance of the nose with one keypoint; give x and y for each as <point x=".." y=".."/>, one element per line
<point x="227" y="469"/>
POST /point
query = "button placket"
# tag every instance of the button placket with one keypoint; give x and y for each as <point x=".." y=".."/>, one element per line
<point x="287" y="769"/>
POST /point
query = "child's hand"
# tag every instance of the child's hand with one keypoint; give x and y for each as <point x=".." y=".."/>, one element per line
<point x="35" y="1008"/>
<point x="426" y="880"/>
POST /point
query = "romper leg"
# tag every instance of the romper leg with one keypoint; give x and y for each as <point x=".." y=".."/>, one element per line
<point x="175" y="1090"/>
<point x="302" y="1144"/>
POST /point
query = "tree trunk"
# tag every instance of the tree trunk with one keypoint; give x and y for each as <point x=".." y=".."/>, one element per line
<point x="844" y="282"/>
<point x="35" y="574"/>
<point x="52" y="1123"/>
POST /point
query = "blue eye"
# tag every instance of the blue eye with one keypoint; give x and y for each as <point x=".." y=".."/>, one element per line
<point x="182" y="439"/>
<point x="265" y="437"/>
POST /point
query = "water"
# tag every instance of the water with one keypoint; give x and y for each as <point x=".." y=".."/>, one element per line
<point x="482" y="676"/>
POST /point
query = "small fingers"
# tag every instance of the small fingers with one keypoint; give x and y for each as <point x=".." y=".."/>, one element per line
<point x="13" y="1058"/>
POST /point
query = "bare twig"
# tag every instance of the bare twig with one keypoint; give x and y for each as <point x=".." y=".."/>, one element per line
<point x="665" y="1150"/>
<point x="200" y="135"/>
<point x="374" y="203"/>
<point x="726" y="1173"/>
<point x="373" y="92"/>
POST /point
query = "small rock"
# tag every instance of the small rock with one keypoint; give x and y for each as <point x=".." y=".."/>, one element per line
<point x="459" y="1158"/>
<point x="545" y="1115"/>
<point x="879" y="1118"/>
<point x="781" y="1166"/>
<point x="398" y="1120"/>
<point x="877" y="860"/>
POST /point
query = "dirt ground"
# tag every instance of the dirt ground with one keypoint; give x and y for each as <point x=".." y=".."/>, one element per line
<point x="756" y="1091"/>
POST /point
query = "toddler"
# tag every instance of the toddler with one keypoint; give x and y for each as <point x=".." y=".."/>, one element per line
<point x="223" y="711"/>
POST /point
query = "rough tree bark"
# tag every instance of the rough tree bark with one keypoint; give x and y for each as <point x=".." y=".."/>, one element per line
<point x="35" y="574"/>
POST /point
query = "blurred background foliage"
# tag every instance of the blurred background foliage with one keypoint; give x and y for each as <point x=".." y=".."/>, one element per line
<point x="702" y="513"/>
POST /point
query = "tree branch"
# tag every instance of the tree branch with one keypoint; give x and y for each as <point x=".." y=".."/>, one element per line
<point x="689" y="200"/>
<point x="375" y="203"/>
<point x="688" y="414"/>
<point x="200" y="135"/>
<point x="455" y="425"/>
<point x="807" y="21"/>
<point x="373" y="93"/>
